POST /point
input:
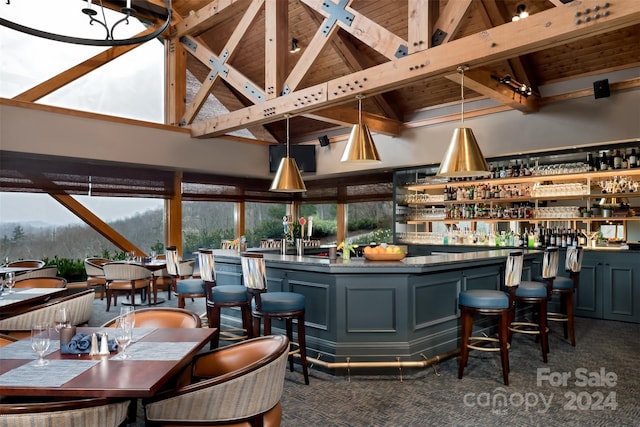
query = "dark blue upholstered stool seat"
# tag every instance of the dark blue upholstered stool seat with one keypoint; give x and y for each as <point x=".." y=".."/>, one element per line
<point x="190" y="286"/>
<point x="280" y="302"/>
<point x="484" y="298"/>
<point x="531" y="290"/>
<point x="227" y="296"/>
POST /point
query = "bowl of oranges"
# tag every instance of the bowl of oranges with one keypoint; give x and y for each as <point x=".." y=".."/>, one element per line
<point x="384" y="252"/>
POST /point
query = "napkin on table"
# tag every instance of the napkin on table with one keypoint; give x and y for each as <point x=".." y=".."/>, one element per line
<point x="81" y="344"/>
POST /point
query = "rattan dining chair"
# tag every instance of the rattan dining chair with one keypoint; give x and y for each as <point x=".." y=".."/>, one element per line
<point x="127" y="278"/>
<point x="101" y="412"/>
<point x="237" y="385"/>
<point x="41" y="282"/>
<point x="95" y="274"/>
<point x="181" y="272"/>
<point x="47" y="271"/>
<point x="27" y="263"/>
<point x="162" y="317"/>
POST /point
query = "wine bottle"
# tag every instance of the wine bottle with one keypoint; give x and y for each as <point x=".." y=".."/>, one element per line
<point x="604" y="163"/>
<point x="617" y="160"/>
<point x="633" y="160"/>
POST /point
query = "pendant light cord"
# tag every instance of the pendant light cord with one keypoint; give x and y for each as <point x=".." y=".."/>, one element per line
<point x="287" y="116"/>
<point x="461" y="68"/>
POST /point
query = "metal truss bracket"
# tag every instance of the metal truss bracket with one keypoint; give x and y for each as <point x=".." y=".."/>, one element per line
<point x="253" y="92"/>
<point x="286" y="90"/>
<point x="402" y="51"/>
<point x="189" y="44"/>
<point x="438" y="37"/>
<point x="217" y="65"/>
<point x="336" y="12"/>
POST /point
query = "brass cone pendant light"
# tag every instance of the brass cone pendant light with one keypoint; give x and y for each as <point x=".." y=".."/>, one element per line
<point x="288" y="178"/>
<point x="360" y="147"/>
<point x="463" y="157"/>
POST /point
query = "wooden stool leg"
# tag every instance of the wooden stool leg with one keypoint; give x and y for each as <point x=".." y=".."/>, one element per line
<point x="467" y="322"/>
<point x="181" y="302"/>
<point x="246" y="320"/>
<point x="544" y="336"/>
<point x="504" y="348"/>
<point x="302" y="341"/>
<point x="267" y="325"/>
<point x="289" y="328"/>
<point x="214" y="322"/>
<point x="255" y="329"/>
<point x="570" y="318"/>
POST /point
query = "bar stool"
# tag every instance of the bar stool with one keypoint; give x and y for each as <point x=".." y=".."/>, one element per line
<point x="274" y="305"/>
<point x="183" y="284"/>
<point x="566" y="287"/>
<point x="538" y="294"/>
<point x="225" y="296"/>
<point x="492" y="303"/>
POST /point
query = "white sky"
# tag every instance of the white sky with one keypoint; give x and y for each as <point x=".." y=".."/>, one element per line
<point x="130" y="86"/>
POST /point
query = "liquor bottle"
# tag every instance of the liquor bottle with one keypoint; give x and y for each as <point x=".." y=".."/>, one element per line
<point x="582" y="238"/>
<point x="531" y="241"/>
<point x="625" y="161"/>
<point x="569" y="238"/>
<point x="525" y="238"/>
<point x="563" y="238"/>
<point x="540" y="241"/>
<point x="617" y="160"/>
<point x="604" y="162"/>
<point x="552" y="239"/>
<point x="547" y="238"/>
<point x="633" y="160"/>
<point x="446" y="193"/>
<point x="590" y="165"/>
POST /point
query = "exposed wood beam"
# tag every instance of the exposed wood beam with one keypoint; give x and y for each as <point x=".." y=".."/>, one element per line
<point x="451" y="18"/>
<point x="219" y="63"/>
<point x="348" y="116"/>
<point x="276" y="46"/>
<point x="480" y="81"/>
<point x="175" y="82"/>
<point x="355" y="62"/>
<point x="73" y="73"/>
<point x="367" y="31"/>
<point x="543" y="30"/>
<point x="419" y="23"/>
<point x="317" y="44"/>
<point x="210" y="15"/>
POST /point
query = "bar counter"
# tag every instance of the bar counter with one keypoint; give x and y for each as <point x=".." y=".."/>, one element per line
<point x="362" y="310"/>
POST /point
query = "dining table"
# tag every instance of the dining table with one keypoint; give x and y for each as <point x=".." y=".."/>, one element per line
<point x="157" y="356"/>
<point x="20" y="298"/>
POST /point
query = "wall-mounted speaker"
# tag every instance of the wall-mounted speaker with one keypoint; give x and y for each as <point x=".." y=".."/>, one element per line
<point x="601" y="89"/>
<point x="324" y="140"/>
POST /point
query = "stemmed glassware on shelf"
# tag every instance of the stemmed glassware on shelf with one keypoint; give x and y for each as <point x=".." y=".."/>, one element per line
<point x="40" y="342"/>
<point x="9" y="281"/>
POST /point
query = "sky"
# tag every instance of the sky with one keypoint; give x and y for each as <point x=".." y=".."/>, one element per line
<point x="130" y="86"/>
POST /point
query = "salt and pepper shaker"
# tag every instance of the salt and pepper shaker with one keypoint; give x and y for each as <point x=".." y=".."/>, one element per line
<point x="94" y="345"/>
<point x="104" y="344"/>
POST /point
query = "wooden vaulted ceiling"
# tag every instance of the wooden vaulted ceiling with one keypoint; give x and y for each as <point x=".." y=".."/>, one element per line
<point x="402" y="55"/>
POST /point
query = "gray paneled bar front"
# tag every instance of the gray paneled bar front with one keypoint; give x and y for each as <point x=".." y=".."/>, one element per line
<point x="361" y="310"/>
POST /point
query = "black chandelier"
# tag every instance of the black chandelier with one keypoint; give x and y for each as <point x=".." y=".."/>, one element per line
<point x="109" y="39"/>
<point x="517" y="88"/>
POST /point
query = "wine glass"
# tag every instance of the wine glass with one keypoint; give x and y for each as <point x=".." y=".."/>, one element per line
<point x="9" y="280"/>
<point x="128" y="315"/>
<point x="62" y="319"/>
<point x="40" y="342"/>
<point x="124" y="332"/>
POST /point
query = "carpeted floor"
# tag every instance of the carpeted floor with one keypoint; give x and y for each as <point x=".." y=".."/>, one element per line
<point x="601" y="386"/>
